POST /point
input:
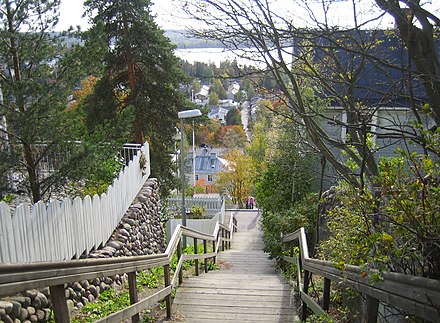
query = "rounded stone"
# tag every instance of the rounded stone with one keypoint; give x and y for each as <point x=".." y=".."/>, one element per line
<point x="124" y="232"/>
<point x="7" y="306"/>
<point x="24" y="301"/>
<point x="40" y="315"/>
<point x="76" y="286"/>
<point x="42" y="299"/>
<point x="47" y="313"/>
<point x="7" y="319"/>
<point x="85" y="284"/>
<point x="114" y="244"/>
<point x="45" y="291"/>
<point x="93" y="290"/>
<point x="33" y="318"/>
<point x="31" y="310"/>
<point x="16" y="307"/>
<point x="126" y="226"/>
<point x="71" y="291"/>
<point x="70" y="305"/>
<point x="130" y="222"/>
<point x="23" y="314"/>
<point x="32" y="293"/>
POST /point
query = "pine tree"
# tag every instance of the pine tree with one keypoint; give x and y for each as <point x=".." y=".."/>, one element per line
<point x="140" y="60"/>
<point x="35" y="83"/>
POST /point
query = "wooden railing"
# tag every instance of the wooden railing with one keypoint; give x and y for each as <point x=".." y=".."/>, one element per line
<point x="15" y="278"/>
<point x="414" y="295"/>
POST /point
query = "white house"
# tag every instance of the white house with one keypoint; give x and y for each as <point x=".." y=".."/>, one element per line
<point x="218" y="113"/>
<point x="208" y="164"/>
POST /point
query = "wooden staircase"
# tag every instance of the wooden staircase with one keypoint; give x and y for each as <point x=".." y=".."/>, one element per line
<point x="246" y="289"/>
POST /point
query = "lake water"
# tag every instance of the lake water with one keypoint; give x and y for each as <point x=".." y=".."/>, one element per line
<point x="216" y="55"/>
<point x="207" y="55"/>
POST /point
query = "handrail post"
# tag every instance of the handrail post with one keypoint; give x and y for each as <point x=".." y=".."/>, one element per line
<point x="235" y="224"/>
<point x="59" y="303"/>
<point x="179" y="255"/>
<point x="133" y="294"/>
<point x="372" y="309"/>
<point x="205" y="250"/>
<point x="326" y="296"/>
<point x="196" y="261"/>
<point x="305" y="291"/>
<point x="213" y="250"/>
<point x="229" y="237"/>
<point x="166" y="271"/>
<point x="223" y="241"/>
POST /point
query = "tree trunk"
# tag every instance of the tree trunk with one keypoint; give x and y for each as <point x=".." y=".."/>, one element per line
<point x="420" y="43"/>
<point x="131" y="67"/>
<point x="32" y="172"/>
<point x="27" y="148"/>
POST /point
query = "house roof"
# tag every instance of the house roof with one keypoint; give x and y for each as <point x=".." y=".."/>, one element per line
<point x="208" y="160"/>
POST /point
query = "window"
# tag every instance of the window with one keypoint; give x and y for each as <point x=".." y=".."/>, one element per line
<point x="197" y="177"/>
<point x="209" y="178"/>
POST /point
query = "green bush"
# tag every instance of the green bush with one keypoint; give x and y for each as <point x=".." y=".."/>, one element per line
<point x="198" y="212"/>
<point x="102" y="177"/>
<point x="393" y="227"/>
<point x="276" y="224"/>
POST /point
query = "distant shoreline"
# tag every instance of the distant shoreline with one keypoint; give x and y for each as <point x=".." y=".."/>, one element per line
<point x="181" y="39"/>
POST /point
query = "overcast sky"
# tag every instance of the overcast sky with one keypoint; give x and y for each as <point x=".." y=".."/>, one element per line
<point x="72" y="10"/>
<point x="166" y="13"/>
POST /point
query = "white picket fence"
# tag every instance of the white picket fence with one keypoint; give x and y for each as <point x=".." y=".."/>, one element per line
<point x="66" y="229"/>
<point x="212" y="204"/>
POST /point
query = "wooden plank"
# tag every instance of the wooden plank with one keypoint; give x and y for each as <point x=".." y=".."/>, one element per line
<point x="198" y="256"/>
<point x="7" y="289"/>
<point x="253" y="309"/>
<point x="7" y="246"/>
<point x="238" y="317"/>
<point x="136" y="308"/>
<point x="220" y="293"/>
<point x="420" y="301"/>
<point x="290" y="260"/>
<point x="213" y="292"/>
<point x="177" y="274"/>
<point x="271" y="301"/>
<point x="190" y="233"/>
<point x="312" y="304"/>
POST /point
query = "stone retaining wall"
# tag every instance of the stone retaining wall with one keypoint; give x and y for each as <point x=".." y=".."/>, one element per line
<point x="140" y="232"/>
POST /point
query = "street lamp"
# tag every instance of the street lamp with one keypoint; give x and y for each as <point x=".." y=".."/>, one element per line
<point x="185" y="115"/>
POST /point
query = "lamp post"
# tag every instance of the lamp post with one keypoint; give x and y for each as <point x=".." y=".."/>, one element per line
<point x="194" y="159"/>
<point x="185" y="115"/>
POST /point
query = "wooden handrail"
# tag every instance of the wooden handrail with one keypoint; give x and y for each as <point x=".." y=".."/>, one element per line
<point x="15" y="278"/>
<point x="414" y="295"/>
